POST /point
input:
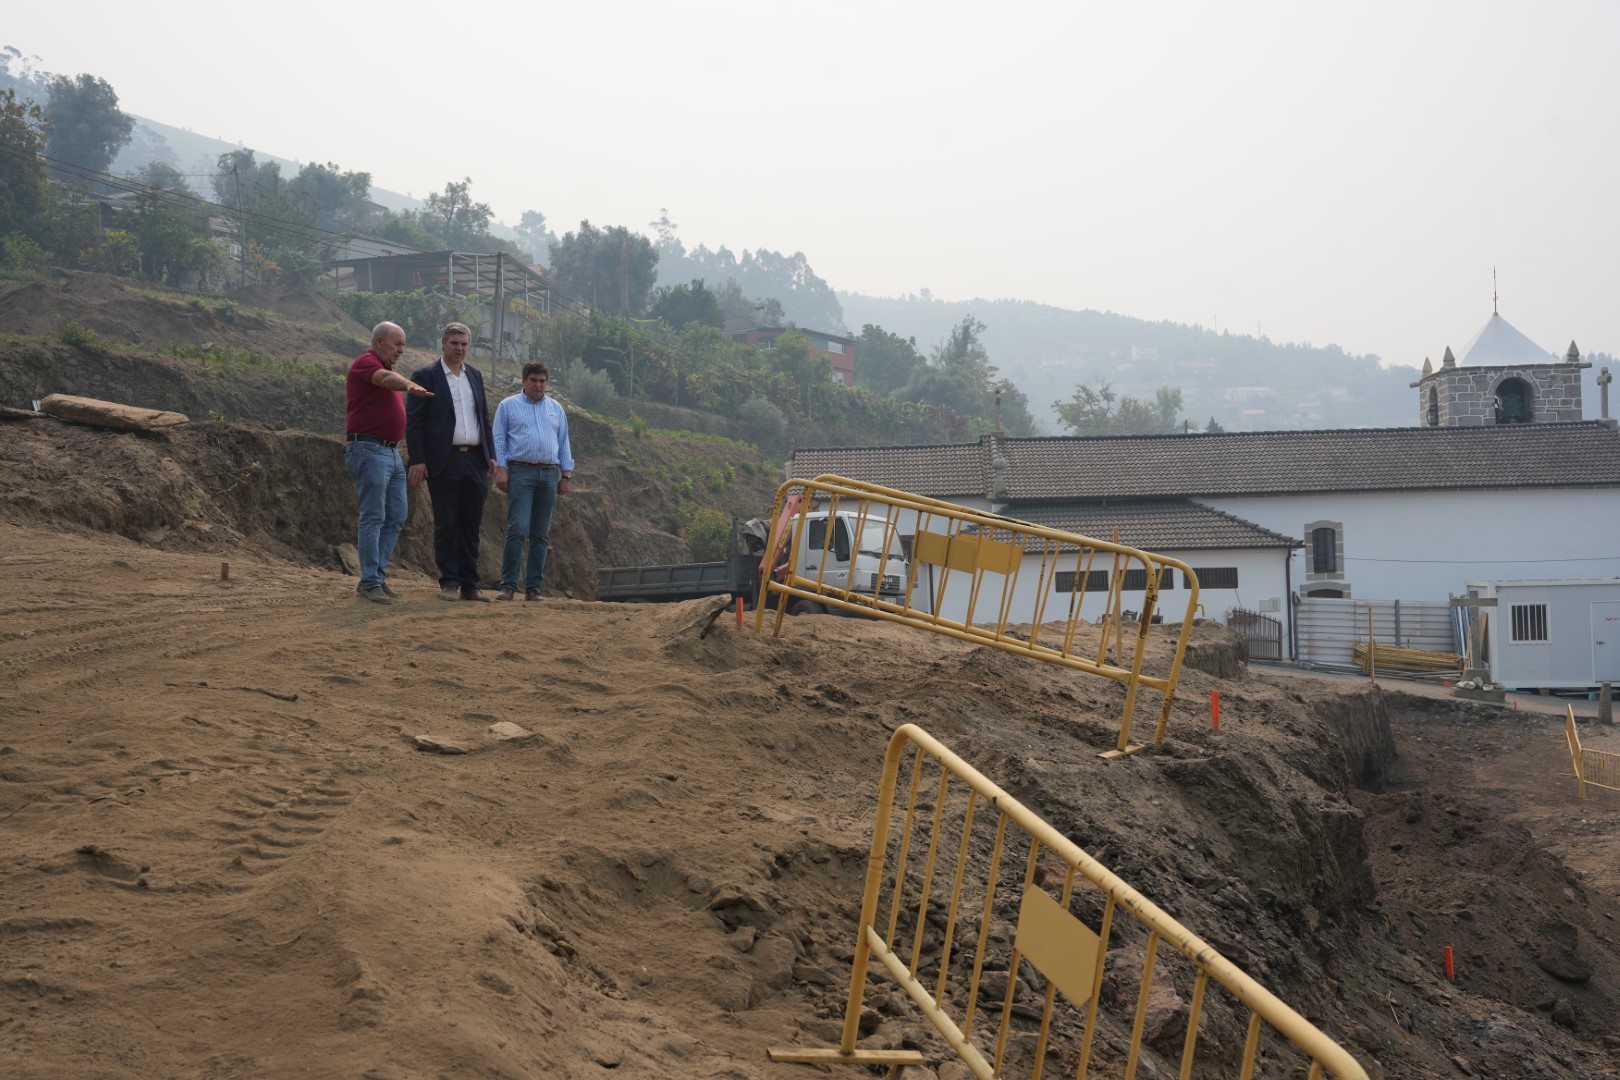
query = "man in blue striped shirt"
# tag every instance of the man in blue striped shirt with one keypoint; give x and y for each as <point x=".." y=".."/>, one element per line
<point x="533" y="465"/>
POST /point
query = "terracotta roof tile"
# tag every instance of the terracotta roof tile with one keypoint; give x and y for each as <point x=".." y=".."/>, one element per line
<point x="937" y="471"/>
<point x="1163" y="526"/>
<point x="1240" y="463"/>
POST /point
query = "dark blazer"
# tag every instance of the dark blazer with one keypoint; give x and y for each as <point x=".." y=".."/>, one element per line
<point x="430" y="423"/>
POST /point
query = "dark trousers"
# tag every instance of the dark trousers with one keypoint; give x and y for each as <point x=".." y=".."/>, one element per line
<point x="458" y="495"/>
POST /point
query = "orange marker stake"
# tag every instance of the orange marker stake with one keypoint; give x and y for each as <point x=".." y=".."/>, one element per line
<point x="1451" y="968"/>
<point x="1215" y="710"/>
<point x="224" y="571"/>
<point x="739" y="613"/>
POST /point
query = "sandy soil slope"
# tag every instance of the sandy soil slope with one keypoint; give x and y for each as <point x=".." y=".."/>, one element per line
<point x="223" y="856"/>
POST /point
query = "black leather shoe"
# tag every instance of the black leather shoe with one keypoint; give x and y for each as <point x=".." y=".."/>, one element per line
<point x="473" y="592"/>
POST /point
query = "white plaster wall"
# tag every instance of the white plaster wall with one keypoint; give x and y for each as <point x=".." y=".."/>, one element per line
<point x="1260" y="577"/>
<point x="1565" y="659"/>
<point x="1427" y="545"/>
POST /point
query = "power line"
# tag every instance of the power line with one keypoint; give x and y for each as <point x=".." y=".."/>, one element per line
<point x="1483" y="562"/>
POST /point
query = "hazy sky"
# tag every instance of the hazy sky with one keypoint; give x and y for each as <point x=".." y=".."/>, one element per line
<point x="1343" y="173"/>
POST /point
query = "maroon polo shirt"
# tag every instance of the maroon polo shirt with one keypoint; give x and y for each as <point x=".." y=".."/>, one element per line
<point x="373" y="410"/>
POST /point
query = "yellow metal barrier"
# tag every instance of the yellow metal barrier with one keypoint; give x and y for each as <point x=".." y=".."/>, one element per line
<point x="1003" y="926"/>
<point x="1599" y="768"/>
<point x="969" y="573"/>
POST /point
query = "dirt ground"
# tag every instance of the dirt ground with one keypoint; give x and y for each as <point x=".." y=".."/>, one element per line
<point x="222" y="853"/>
<point x="225" y="857"/>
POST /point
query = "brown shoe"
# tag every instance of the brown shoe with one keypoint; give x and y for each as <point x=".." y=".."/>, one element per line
<point x="532" y="594"/>
<point x="473" y="592"/>
<point x="449" y="592"/>
<point x="506" y="594"/>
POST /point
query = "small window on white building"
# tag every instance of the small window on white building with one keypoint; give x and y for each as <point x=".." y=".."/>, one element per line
<point x="1064" y="581"/>
<point x="1529" y="622"/>
<point x="1215" y="577"/>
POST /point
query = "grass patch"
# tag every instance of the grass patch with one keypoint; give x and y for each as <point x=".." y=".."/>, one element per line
<point x="241" y="361"/>
<point x="80" y="337"/>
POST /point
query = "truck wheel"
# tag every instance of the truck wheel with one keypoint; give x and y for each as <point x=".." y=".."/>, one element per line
<point x="800" y="606"/>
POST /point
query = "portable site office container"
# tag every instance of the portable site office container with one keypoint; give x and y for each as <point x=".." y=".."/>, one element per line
<point x="1554" y="634"/>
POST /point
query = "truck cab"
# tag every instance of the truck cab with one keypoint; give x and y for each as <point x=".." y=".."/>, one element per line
<point x="851" y="559"/>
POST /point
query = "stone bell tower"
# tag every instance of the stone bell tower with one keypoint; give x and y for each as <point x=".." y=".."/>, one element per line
<point x="1504" y="378"/>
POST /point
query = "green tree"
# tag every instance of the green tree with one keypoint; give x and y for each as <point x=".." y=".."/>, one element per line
<point x="164" y="177"/>
<point x="454" y="216"/>
<point x="533" y="234"/>
<point x="405" y="229"/>
<point x="24" y="193"/>
<point x="1100" y="411"/>
<point x="808" y="371"/>
<point x="173" y="236"/>
<point x="960" y="375"/>
<point x="610" y="269"/>
<point x="278" y="220"/>
<point x="679" y="305"/>
<point x="341" y="200"/>
<point x="87" y="127"/>
<point x="884" y="362"/>
<point x="734" y="304"/>
<point x="17" y="74"/>
<point x="804" y="297"/>
<point x="1213" y="427"/>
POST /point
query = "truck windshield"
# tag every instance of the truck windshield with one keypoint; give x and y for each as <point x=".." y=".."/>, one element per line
<point x="872" y="541"/>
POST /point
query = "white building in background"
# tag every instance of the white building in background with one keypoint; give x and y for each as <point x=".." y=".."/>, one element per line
<point x="1522" y="490"/>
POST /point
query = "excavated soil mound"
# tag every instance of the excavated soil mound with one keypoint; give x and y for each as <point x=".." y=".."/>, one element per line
<point x="301" y="305"/>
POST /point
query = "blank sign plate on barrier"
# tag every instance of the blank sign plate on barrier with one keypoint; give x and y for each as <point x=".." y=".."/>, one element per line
<point x="1060" y="946"/>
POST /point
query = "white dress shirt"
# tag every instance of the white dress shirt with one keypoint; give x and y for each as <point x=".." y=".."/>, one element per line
<point x="461" y="394"/>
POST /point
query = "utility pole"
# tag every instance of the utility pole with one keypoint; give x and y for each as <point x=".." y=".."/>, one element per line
<point x="624" y="279"/>
<point x="242" y="220"/>
<point x="500" y="317"/>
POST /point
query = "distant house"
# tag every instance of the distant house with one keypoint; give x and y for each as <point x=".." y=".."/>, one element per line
<point x="840" y="350"/>
<point x="513" y="297"/>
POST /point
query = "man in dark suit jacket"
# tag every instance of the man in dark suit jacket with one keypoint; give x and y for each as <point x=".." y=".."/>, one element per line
<point x="451" y="447"/>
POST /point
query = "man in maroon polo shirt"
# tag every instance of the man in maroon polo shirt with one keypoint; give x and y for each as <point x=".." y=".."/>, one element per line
<point x="375" y="426"/>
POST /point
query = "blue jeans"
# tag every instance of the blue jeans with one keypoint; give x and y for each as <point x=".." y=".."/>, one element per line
<point x="531" y="498"/>
<point x="379" y="481"/>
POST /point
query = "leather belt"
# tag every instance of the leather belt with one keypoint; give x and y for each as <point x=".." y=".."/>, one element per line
<point x="531" y="465"/>
<point x="354" y="437"/>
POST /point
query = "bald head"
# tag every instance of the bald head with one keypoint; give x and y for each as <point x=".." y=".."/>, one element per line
<point x="388" y="342"/>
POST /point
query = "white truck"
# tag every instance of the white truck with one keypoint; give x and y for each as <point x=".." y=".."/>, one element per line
<point x="850" y="563"/>
<point x="853" y="559"/>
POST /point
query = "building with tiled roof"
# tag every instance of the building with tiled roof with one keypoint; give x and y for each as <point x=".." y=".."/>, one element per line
<point x="1406" y="514"/>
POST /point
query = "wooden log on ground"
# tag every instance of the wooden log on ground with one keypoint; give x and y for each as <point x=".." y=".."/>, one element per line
<point x="110" y="414"/>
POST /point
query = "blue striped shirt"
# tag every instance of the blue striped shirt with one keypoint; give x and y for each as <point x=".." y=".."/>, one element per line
<point x="535" y="431"/>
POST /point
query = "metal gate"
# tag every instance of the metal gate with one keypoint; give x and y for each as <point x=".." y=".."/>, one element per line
<point x="1263" y="633"/>
<point x="1329" y="627"/>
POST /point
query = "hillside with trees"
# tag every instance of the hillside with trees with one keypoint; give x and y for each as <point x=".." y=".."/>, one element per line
<point x="88" y="187"/>
<point x="1240" y="381"/>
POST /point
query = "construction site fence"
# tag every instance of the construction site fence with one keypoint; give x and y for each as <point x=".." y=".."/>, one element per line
<point x="1009" y="968"/>
<point x="984" y="578"/>
<point x="1594" y="768"/>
